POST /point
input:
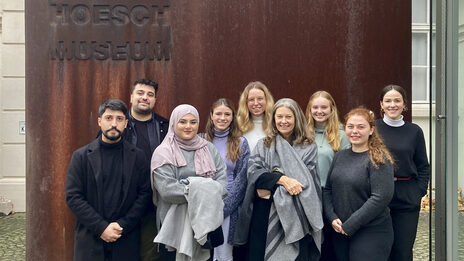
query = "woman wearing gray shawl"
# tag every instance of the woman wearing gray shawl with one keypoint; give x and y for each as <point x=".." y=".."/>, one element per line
<point x="190" y="181"/>
<point x="281" y="215"/>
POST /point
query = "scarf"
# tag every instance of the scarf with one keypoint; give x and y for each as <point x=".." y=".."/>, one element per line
<point x="168" y="152"/>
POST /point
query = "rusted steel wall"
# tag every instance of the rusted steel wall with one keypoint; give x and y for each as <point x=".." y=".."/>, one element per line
<point x="79" y="53"/>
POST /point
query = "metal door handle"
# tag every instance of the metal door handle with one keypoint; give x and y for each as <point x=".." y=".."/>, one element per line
<point x="441" y="117"/>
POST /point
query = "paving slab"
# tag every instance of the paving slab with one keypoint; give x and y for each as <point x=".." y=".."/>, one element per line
<point x="13" y="237"/>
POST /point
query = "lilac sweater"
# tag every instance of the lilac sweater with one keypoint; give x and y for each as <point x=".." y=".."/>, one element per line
<point x="236" y="176"/>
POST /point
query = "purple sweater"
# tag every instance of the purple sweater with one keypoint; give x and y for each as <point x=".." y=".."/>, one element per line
<point x="236" y="176"/>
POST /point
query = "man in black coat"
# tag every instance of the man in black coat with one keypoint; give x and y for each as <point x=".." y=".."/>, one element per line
<point x="107" y="189"/>
<point x="146" y="130"/>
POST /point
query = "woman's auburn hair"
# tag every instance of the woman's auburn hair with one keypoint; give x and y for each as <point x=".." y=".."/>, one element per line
<point x="300" y="134"/>
<point x="378" y="152"/>
<point x="244" y="119"/>
<point x="233" y="138"/>
<point x="332" y="129"/>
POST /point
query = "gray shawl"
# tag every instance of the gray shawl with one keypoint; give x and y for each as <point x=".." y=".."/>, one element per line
<point x="186" y="226"/>
<point x="291" y="217"/>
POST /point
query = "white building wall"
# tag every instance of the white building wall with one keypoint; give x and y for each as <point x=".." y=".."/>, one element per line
<point x="12" y="103"/>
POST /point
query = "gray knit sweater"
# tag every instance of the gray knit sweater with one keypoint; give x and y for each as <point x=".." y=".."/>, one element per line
<point x="356" y="192"/>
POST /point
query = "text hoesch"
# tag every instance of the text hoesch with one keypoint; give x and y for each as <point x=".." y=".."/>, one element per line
<point x="117" y="32"/>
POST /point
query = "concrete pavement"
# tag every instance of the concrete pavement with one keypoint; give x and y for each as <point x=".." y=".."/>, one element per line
<point x="13" y="237"/>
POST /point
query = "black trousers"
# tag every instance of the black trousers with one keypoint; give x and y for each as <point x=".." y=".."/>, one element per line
<point x="367" y="244"/>
<point x="327" y="248"/>
<point x="239" y="253"/>
<point x="167" y="255"/>
<point x="108" y="251"/>
<point x="308" y="250"/>
<point x="148" y="231"/>
<point x="405" y="229"/>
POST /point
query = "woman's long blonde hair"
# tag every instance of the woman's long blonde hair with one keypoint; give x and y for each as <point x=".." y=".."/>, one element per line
<point x="244" y="119"/>
<point x="332" y="129"/>
<point x="233" y="139"/>
<point x="378" y="152"/>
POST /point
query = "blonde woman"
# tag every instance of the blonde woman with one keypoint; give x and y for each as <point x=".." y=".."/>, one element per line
<point x="254" y="112"/>
<point x="322" y="122"/>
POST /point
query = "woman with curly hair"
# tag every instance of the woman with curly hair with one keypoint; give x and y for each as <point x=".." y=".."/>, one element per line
<point x="281" y="216"/>
<point x="254" y="112"/>
<point x="222" y="130"/>
<point x="358" y="190"/>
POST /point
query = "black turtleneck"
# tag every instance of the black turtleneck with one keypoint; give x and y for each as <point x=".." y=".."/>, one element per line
<point x="112" y="171"/>
<point x="143" y="141"/>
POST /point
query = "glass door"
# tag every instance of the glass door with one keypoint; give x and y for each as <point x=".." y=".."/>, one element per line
<point x="459" y="107"/>
<point x="449" y="136"/>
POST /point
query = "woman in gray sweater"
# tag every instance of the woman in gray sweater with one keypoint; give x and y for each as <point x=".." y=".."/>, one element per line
<point x="188" y="177"/>
<point x="357" y="193"/>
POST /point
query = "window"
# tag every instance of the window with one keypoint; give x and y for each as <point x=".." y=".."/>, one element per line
<point x="420" y="51"/>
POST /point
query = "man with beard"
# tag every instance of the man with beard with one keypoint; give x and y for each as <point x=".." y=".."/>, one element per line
<point x="146" y="130"/>
<point x="107" y="189"/>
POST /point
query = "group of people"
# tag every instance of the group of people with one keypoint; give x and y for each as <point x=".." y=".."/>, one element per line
<point x="263" y="182"/>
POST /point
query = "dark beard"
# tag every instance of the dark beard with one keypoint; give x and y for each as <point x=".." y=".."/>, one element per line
<point x="112" y="138"/>
<point x="142" y="112"/>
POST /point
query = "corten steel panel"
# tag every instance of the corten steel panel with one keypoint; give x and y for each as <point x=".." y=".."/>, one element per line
<point x="198" y="51"/>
